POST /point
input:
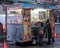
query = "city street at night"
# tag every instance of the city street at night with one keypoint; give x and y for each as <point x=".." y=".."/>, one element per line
<point x="29" y="23"/>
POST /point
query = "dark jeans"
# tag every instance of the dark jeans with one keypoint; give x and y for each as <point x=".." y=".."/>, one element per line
<point x="40" y="41"/>
<point x="49" y="40"/>
<point x="53" y="39"/>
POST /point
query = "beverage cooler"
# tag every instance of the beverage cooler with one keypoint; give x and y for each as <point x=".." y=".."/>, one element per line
<point x="18" y="24"/>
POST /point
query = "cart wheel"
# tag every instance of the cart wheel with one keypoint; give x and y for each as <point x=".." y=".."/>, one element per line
<point x="34" y="42"/>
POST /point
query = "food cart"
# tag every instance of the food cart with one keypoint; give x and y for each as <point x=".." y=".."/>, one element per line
<point x="18" y="24"/>
<point x="20" y="20"/>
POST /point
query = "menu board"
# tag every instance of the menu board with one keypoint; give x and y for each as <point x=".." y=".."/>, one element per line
<point x="14" y="10"/>
<point x="26" y="25"/>
<point x="14" y="15"/>
<point x="52" y="23"/>
<point x="14" y="19"/>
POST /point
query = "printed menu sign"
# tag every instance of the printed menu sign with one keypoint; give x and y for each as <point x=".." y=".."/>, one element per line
<point x="26" y="25"/>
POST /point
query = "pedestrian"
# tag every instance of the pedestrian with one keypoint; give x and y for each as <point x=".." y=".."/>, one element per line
<point x="40" y="37"/>
<point x="49" y="32"/>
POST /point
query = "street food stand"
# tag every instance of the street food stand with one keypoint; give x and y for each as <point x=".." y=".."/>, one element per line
<point x="20" y="20"/>
<point x="18" y="24"/>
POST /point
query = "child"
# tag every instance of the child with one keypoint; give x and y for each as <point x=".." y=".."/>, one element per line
<point x="40" y="36"/>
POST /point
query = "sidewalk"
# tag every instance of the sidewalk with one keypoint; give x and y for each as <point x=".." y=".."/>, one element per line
<point x="1" y="45"/>
<point x="10" y="45"/>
